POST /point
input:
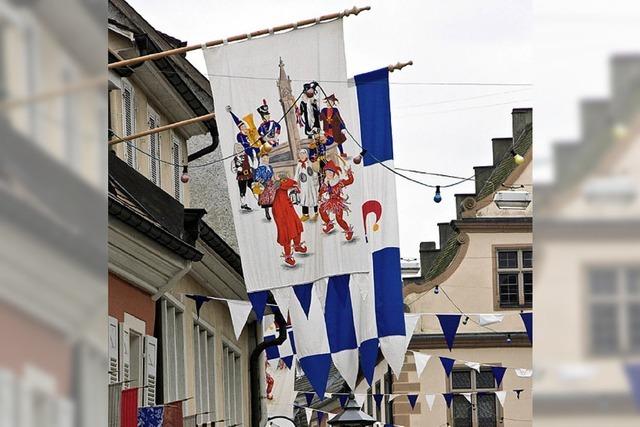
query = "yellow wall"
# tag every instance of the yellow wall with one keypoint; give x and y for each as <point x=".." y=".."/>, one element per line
<point x="215" y="314"/>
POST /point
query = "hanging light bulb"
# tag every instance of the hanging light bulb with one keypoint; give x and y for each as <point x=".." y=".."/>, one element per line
<point x="517" y="157"/>
<point x="620" y="131"/>
<point x="437" y="197"/>
<point x="508" y="338"/>
<point x="436" y="290"/>
<point x="185" y="175"/>
<point x="466" y="319"/>
<point x="357" y="159"/>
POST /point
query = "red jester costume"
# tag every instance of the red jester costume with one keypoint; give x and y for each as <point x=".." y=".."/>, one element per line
<point x="332" y="201"/>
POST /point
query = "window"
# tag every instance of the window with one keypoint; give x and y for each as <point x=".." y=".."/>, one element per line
<point x="614" y="295"/>
<point x="515" y="277"/>
<point x="175" y="159"/>
<point x="128" y="123"/>
<point x="369" y="402"/>
<point x="232" y="371"/>
<point x="483" y="409"/>
<point x="173" y="364"/>
<point x="154" y="148"/>
<point x="378" y="410"/>
<point x="204" y="352"/>
<point x="135" y="358"/>
<point x="388" y="405"/>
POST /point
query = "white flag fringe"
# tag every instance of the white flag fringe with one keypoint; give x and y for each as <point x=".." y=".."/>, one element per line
<point x="430" y="398"/>
<point x="489" y="319"/>
<point x="239" y="311"/>
<point x="502" y="396"/>
<point x="473" y="365"/>
<point x="524" y="373"/>
<point x="467" y="396"/>
<point x="420" y="360"/>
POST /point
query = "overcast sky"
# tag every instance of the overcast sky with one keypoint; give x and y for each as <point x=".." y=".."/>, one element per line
<point x="442" y="128"/>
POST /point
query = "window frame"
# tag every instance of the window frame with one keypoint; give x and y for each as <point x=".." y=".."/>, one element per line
<point x="238" y="386"/>
<point x="176" y="147"/>
<point x="474" y="394"/>
<point x="621" y="300"/>
<point x="177" y="378"/>
<point x="520" y="270"/>
<point x="210" y="333"/>
<point x="133" y="162"/>
<point x="154" y="162"/>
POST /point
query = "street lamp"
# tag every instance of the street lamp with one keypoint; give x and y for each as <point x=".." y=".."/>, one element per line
<point x="352" y="416"/>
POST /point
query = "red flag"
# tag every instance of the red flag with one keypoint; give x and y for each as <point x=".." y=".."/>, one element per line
<point x="129" y="408"/>
<point x="173" y="415"/>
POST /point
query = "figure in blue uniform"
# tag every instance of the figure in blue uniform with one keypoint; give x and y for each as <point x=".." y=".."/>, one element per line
<point x="243" y="137"/>
<point x="269" y="130"/>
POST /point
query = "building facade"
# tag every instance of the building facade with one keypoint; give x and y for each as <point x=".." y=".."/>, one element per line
<point x="483" y="266"/>
<point x="161" y="247"/>
<point x="586" y="240"/>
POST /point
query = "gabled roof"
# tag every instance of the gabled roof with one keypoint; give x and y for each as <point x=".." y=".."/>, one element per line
<point x="188" y="82"/>
<point x="488" y="180"/>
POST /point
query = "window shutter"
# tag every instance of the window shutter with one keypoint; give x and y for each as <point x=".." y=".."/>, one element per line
<point x="150" y="369"/>
<point x="113" y="350"/>
<point x="25" y="405"/>
<point x="154" y="148"/>
<point x="175" y="159"/>
<point x="7" y="398"/>
<point x="124" y="355"/>
<point x="128" y="122"/>
<point x="64" y="413"/>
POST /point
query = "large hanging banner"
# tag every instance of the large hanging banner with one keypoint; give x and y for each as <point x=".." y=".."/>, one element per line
<point x="296" y="182"/>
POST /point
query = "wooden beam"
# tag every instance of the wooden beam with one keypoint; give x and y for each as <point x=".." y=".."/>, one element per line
<point x="185" y="49"/>
<point x="118" y="140"/>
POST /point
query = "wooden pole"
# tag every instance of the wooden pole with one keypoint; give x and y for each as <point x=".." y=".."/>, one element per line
<point x="118" y="140"/>
<point x="399" y="66"/>
<point x="185" y="49"/>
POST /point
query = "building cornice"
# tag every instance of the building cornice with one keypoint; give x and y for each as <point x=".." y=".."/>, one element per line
<point x="471" y="340"/>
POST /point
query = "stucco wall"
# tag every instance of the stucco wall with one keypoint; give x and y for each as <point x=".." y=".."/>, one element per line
<point x="216" y="315"/>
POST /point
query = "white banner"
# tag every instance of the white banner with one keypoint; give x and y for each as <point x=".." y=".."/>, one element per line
<point x="295" y="190"/>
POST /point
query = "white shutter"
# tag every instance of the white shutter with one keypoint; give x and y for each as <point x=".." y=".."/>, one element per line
<point x="154" y="148"/>
<point x="7" y="398"/>
<point x="64" y="413"/>
<point x="25" y="405"/>
<point x="113" y="350"/>
<point x="150" y="369"/>
<point x="124" y="355"/>
<point x="128" y="122"/>
<point x="177" y="172"/>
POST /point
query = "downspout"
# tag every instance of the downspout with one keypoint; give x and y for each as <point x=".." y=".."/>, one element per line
<point x="171" y="282"/>
<point x="257" y="420"/>
<point x="213" y="131"/>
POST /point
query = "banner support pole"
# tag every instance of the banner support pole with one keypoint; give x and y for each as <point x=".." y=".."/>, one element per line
<point x="120" y="139"/>
<point x="185" y="49"/>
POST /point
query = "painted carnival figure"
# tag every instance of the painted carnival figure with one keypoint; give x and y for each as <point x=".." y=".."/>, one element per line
<point x="242" y="165"/>
<point x="264" y="186"/>
<point x="269" y="130"/>
<point x="332" y="199"/>
<point x="333" y="125"/>
<point x="308" y="182"/>
<point x="244" y="137"/>
<point x="288" y="223"/>
<point x="309" y="110"/>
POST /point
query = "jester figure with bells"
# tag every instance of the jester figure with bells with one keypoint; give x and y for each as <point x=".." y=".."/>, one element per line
<point x="307" y="179"/>
<point x="332" y="199"/>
